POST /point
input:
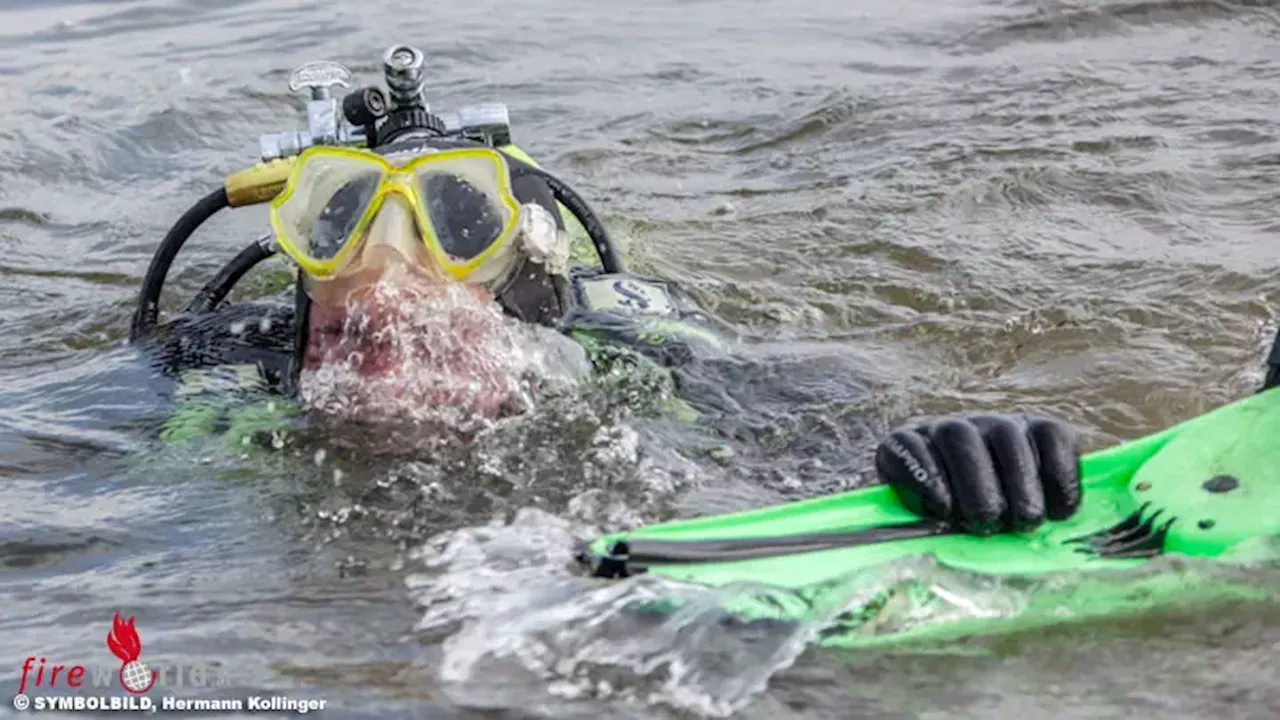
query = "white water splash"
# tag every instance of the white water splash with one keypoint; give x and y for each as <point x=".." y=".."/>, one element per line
<point x="524" y="630"/>
<point x="443" y="357"/>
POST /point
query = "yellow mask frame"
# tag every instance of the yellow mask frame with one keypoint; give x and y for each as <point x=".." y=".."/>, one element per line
<point x="346" y="164"/>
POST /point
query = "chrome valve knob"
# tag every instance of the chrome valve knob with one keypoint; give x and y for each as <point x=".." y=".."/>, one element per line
<point x="405" y="76"/>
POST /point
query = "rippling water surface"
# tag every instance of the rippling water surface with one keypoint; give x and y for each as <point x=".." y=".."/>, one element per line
<point x="904" y="208"/>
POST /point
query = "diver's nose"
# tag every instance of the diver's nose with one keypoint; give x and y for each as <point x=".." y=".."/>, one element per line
<point x="394" y="232"/>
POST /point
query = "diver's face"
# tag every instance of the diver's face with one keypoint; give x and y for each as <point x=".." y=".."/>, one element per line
<point x="396" y="330"/>
<point x="355" y="313"/>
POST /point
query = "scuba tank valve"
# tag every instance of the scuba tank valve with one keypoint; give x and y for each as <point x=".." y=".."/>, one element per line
<point x="325" y="125"/>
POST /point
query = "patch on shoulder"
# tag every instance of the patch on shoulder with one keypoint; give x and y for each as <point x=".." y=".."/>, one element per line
<point x="627" y="295"/>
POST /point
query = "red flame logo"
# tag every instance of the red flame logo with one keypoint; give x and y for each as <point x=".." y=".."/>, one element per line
<point x="123" y="640"/>
<point x="125" y="644"/>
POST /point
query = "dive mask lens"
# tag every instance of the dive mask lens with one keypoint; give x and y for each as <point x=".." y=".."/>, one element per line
<point x="465" y="219"/>
<point x="325" y="207"/>
<point x="468" y="214"/>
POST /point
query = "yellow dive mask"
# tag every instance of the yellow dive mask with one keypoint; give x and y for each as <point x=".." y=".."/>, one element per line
<point x="336" y="209"/>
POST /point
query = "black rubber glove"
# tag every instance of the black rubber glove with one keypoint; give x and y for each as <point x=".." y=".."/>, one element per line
<point x="986" y="473"/>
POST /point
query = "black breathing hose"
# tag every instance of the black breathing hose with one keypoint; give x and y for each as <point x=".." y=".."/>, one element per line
<point x="148" y="312"/>
<point x="215" y="291"/>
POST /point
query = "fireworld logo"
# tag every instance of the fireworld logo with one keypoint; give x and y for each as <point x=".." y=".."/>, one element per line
<point x="132" y="675"/>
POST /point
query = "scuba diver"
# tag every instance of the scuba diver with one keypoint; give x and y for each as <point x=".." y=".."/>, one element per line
<point x="419" y="238"/>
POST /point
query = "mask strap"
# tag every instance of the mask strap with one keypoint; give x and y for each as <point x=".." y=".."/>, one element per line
<point x="301" y="319"/>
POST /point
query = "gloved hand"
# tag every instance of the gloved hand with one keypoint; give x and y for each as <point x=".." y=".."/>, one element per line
<point x="986" y="473"/>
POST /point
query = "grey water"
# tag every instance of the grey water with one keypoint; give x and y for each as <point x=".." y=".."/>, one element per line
<point x="903" y="209"/>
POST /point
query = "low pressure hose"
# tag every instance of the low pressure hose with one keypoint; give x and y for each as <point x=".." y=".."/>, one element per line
<point x="216" y="290"/>
<point x="148" y="312"/>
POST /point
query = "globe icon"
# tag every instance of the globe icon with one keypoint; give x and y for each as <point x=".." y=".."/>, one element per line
<point x="135" y="677"/>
